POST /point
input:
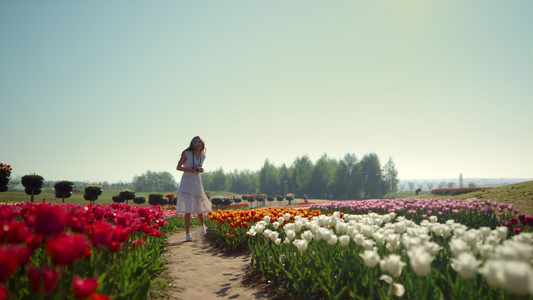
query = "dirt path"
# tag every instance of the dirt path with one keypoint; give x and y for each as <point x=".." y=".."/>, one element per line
<point x="199" y="271"/>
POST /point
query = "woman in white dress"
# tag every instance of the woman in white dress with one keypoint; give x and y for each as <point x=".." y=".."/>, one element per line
<point x="191" y="196"/>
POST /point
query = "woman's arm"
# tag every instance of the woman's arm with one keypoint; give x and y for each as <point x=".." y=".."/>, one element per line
<point x="182" y="161"/>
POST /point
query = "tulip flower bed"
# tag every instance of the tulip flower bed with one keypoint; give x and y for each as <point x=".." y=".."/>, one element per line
<point x="457" y="191"/>
<point x="417" y="249"/>
<point x="227" y="228"/>
<point x="384" y="256"/>
<point x="473" y="213"/>
<point x="79" y="252"/>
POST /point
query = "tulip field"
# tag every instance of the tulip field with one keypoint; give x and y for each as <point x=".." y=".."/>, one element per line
<point x="374" y="249"/>
<point x="50" y="251"/>
<point x="386" y="249"/>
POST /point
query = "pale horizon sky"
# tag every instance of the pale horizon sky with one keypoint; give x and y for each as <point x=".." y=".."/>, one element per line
<point x="106" y="90"/>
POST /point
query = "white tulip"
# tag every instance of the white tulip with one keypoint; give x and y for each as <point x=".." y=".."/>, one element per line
<point x="494" y="273"/>
<point x="502" y="232"/>
<point x="420" y="261"/>
<point x="393" y="239"/>
<point x="393" y="265"/>
<point x="259" y="228"/>
<point x="301" y="245"/>
<point x="287" y="216"/>
<point x="358" y="239"/>
<point x="400" y="227"/>
<point x="307" y="235"/>
<point x="471" y="237"/>
<point x="367" y="230"/>
<point x="379" y="238"/>
<point x="432" y="248"/>
<point x="518" y="278"/>
<point x="274" y="235"/>
<point x="524" y="238"/>
<point x="394" y="288"/>
<point x="332" y="240"/>
<point x="276" y="225"/>
<point x="485" y="250"/>
<point x="277" y="241"/>
<point x="433" y="219"/>
<point x="485" y="231"/>
<point x="458" y="246"/>
<point x="290" y="234"/>
<point x="344" y="240"/>
<point x="465" y="264"/>
<point x="523" y="252"/>
<point x="368" y="244"/>
<point x="371" y="258"/>
<point x="289" y="226"/>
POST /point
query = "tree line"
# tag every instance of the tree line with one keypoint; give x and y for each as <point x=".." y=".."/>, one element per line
<point x="328" y="178"/>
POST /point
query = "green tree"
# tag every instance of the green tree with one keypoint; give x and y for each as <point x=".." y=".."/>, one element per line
<point x="240" y="182"/>
<point x="347" y="182"/>
<point x="390" y="177"/>
<point x="357" y="182"/>
<point x="154" y="182"/>
<point x="218" y="182"/>
<point x="268" y="179"/>
<point x="321" y="182"/>
<point x="372" y="177"/>
<point x="301" y="176"/>
<point x="284" y="178"/>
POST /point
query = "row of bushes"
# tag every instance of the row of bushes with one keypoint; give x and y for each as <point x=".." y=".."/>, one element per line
<point x="227" y="200"/>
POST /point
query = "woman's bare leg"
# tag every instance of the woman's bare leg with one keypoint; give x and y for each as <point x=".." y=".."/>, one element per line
<point x="201" y="219"/>
<point x="187" y="222"/>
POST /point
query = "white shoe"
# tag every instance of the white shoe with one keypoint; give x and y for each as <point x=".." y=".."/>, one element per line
<point x="202" y="230"/>
<point x="188" y="238"/>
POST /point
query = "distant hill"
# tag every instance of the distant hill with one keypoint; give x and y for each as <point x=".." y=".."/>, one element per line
<point x="519" y="194"/>
<point x="478" y="182"/>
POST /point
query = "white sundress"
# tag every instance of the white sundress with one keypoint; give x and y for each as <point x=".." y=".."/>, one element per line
<point x="191" y="195"/>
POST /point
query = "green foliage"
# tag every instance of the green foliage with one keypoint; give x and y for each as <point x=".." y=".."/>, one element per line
<point x="154" y="181"/>
<point x="64" y="186"/>
<point x="371" y="171"/>
<point x="93" y="189"/>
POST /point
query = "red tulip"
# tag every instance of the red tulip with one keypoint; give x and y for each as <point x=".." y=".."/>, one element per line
<point x="522" y="219"/>
<point x="83" y="288"/>
<point x="138" y="243"/>
<point x="22" y="254"/>
<point x="100" y="234"/>
<point x="9" y="214"/>
<point x="3" y="292"/>
<point x="16" y="233"/>
<point x="529" y="221"/>
<point x="514" y="221"/>
<point x="120" y="234"/>
<point x="48" y="219"/>
<point x="34" y="241"/>
<point x="8" y="262"/>
<point x="42" y="281"/>
<point x="115" y="246"/>
<point x="99" y="297"/>
<point x="517" y="230"/>
<point x="65" y="249"/>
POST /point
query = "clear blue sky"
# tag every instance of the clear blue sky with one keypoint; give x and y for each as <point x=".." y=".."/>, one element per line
<point x="105" y="90"/>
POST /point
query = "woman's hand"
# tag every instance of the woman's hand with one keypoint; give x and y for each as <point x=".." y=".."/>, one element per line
<point x="200" y="170"/>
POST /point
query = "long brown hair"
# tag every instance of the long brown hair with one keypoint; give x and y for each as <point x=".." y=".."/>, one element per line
<point x="191" y="146"/>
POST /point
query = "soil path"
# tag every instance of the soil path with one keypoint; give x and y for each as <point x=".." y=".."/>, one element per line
<point x="199" y="271"/>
